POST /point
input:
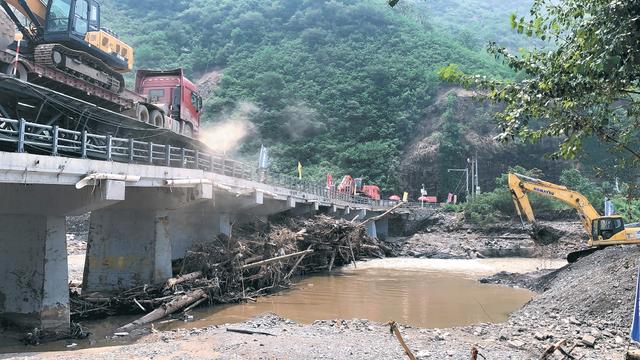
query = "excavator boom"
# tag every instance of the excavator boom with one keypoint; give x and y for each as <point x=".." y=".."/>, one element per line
<point x="520" y="185"/>
<point x="602" y="230"/>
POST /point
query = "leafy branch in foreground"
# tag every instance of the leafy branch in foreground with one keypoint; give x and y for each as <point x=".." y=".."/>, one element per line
<point x="586" y="86"/>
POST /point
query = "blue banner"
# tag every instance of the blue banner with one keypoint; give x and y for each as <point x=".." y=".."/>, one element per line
<point x="635" y="326"/>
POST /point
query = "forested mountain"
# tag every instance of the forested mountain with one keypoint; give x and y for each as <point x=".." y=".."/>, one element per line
<point x="341" y="85"/>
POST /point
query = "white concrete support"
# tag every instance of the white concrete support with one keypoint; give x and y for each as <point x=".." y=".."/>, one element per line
<point x="33" y="266"/>
<point x="370" y="227"/>
<point x="191" y="225"/>
<point x="225" y="222"/>
<point x="126" y="248"/>
<point x="382" y="228"/>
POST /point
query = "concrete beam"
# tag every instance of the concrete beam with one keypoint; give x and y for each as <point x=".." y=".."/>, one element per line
<point x="58" y="200"/>
<point x="33" y="266"/>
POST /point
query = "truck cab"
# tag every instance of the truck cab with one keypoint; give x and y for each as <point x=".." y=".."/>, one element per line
<point x="175" y="95"/>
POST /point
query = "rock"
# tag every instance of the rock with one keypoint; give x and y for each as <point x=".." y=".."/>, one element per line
<point x="589" y="340"/>
<point x="423" y="354"/>
<point x="121" y="334"/>
<point x="518" y="344"/>
<point x="540" y="336"/>
<point x="619" y="340"/>
<point x="574" y="321"/>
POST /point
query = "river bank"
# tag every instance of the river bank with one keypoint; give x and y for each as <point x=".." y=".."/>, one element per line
<point x="588" y="304"/>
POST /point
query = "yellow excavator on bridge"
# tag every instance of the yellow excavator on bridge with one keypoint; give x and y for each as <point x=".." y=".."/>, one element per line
<point x="68" y="35"/>
<point x="602" y="230"/>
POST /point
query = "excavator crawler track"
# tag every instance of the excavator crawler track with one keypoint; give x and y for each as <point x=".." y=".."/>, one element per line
<point x="79" y="64"/>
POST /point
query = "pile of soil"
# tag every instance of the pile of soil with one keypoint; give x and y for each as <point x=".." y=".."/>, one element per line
<point x="588" y="303"/>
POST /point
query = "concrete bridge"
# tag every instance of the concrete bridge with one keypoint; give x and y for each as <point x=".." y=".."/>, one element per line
<point x="142" y="217"/>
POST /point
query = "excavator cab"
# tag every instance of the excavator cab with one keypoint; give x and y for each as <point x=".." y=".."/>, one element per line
<point x="76" y="24"/>
<point x="606" y="227"/>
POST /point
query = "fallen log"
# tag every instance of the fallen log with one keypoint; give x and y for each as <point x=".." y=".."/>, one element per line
<point x="277" y="258"/>
<point x="183" y="278"/>
<point x="172" y="306"/>
<point x="249" y="332"/>
<point x="376" y="218"/>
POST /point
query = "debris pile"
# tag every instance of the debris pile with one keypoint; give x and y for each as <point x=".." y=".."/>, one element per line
<point x="257" y="259"/>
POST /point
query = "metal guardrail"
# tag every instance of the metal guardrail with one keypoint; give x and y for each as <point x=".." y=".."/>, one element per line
<point x="57" y="141"/>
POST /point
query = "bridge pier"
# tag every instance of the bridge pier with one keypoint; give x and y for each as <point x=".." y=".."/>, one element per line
<point x="382" y="228"/>
<point x="33" y="264"/>
<point x="196" y="224"/>
<point x="130" y="243"/>
<point x="33" y="250"/>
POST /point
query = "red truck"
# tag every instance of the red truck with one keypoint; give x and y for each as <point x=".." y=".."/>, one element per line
<point x="175" y="101"/>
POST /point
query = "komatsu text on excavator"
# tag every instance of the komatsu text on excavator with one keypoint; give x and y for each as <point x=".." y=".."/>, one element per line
<point x="602" y="230"/>
<point x="67" y="34"/>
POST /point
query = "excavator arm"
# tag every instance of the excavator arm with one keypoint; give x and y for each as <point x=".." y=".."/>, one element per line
<point x="34" y="10"/>
<point x="521" y="185"/>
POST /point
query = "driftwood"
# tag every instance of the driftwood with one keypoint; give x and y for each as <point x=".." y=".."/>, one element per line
<point x="180" y="279"/>
<point x="249" y="332"/>
<point x="376" y="218"/>
<point x="551" y="349"/>
<point x="174" y="305"/>
<point x="239" y="268"/>
<point x="394" y="330"/>
<point x="295" y="266"/>
<point x="268" y="261"/>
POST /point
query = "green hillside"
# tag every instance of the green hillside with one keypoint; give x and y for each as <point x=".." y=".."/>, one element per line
<point x="339" y="85"/>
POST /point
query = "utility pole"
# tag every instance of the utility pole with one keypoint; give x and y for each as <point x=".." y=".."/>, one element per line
<point x="477" y="188"/>
<point x="466" y="172"/>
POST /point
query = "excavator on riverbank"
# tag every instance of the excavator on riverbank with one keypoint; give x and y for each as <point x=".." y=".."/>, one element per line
<point x="602" y="230"/>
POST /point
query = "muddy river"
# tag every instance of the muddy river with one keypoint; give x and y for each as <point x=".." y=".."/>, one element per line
<point x="418" y="292"/>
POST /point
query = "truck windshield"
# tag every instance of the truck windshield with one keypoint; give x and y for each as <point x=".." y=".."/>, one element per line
<point x="58" y="19"/>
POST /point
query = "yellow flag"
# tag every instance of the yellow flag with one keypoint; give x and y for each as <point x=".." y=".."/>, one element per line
<point x="299" y="170"/>
<point x="405" y="197"/>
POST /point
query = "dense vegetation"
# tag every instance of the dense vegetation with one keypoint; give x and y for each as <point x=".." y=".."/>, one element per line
<point x="487" y="208"/>
<point x="585" y="87"/>
<point x="338" y="85"/>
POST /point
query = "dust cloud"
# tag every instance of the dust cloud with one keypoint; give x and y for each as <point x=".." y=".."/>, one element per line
<point x="230" y="129"/>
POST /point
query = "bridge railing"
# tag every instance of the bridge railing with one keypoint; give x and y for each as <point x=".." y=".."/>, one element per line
<point x="53" y="140"/>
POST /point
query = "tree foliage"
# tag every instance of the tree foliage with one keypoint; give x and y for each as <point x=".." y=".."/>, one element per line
<point x="584" y="84"/>
<point x="340" y="84"/>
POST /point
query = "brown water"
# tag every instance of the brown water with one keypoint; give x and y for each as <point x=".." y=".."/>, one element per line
<point x="418" y="298"/>
<point x="418" y="292"/>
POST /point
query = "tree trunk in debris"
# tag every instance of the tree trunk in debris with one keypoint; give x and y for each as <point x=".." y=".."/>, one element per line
<point x="263" y="262"/>
<point x="172" y="306"/>
<point x="180" y="279"/>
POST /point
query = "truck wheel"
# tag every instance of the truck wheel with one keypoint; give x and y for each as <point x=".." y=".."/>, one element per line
<point x="142" y="114"/>
<point x="156" y="118"/>
<point x="20" y="69"/>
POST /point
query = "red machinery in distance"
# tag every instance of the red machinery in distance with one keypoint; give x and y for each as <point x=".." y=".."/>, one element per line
<point x="356" y="186"/>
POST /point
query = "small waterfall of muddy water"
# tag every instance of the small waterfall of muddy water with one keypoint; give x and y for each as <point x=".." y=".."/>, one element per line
<point x="418" y="292"/>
